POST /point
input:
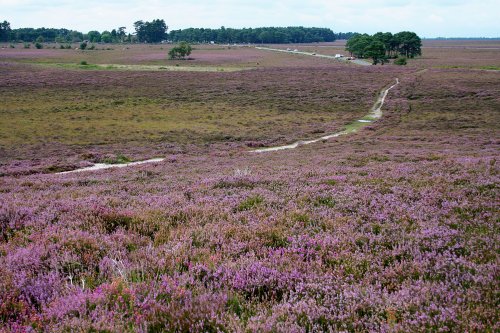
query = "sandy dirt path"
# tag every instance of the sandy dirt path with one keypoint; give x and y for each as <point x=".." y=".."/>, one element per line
<point x="312" y="54"/>
<point x="375" y="113"/>
<point x="103" y="166"/>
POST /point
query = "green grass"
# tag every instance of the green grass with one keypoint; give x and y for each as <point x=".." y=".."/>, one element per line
<point x="119" y="67"/>
<point x="492" y="68"/>
<point x="47" y="117"/>
<point x="489" y="67"/>
<point x="355" y="126"/>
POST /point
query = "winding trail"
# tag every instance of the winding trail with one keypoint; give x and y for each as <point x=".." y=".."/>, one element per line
<point x="375" y="113"/>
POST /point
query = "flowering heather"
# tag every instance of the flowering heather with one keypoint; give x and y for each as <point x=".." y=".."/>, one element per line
<point x="391" y="229"/>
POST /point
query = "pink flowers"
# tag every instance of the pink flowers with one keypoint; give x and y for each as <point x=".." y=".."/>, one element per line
<point x="390" y="230"/>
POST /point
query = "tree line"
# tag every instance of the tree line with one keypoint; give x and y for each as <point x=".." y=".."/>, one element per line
<point x="62" y="35"/>
<point x="157" y="31"/>
<point x="274" y="35"/>
<point x="384" y="45"/>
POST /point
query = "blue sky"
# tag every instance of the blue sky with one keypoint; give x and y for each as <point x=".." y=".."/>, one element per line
<point x="447" y="18"/>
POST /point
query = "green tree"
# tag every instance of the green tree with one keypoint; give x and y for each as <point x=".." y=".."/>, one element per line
<point x="76" y="36"/>
<point x="375" y="50"/>
<point x="388" y="40"/>
<point x="94" y="36"/>
<point x="151" y="32"/>
<point x="39" y="39"/>
<point x="357" y="44"/>
<point x="265" y="37"/>
<point x="404" y="43"/>
<point x="106" y="37"/>
<point x="183" y="49"/>
<point x="5" y="31"/>
<point x="121" y="34"/>
<point x="410" y="45"/>
<point x="114" y="35"/>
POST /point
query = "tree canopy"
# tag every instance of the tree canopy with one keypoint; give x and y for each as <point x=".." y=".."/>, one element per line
<point x="5" y="31"/>
<point x="151" y="32"/>
<point x="157" y="31"/>
<point x="382" y="46"/>
<point x="275" y="35"/>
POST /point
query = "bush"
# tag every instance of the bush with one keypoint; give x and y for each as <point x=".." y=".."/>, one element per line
<point x="27" y="45"/>
<point x="83" y="46"/>
<point x="401" y="61"/>
<point x="83" y="63"/>
<point x="182" y="50"/>
<point x="38" y="45"/>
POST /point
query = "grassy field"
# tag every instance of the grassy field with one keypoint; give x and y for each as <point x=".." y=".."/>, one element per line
<point x="393" y="228"/>
<point x="55" y="101"/>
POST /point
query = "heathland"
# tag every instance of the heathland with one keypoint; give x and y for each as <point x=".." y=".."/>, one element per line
<point x="390" y="228"/>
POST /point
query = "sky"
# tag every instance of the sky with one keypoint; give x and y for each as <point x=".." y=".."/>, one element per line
<point x="428" y="18"/>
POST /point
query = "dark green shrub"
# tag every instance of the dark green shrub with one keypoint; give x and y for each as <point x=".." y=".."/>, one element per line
<point x="183" y="49"/>
<point x="39" y="45"/>
<point x="401" y="61"/>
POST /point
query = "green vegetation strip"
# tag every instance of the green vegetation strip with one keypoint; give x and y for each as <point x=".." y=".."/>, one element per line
<point x="484" y="68"/>
<point x="119" y="67"/>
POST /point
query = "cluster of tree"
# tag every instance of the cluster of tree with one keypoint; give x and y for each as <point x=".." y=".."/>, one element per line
<point x="382" y="46"/>
<point x="114" y="36"/>
<point x="275" y="35"/>
<point x="156" y="31"/>
<point x="151" y="32"/>
<point x="61" y="35"/>
<point x="43" y="34"/>
<point x="344" y="35"/>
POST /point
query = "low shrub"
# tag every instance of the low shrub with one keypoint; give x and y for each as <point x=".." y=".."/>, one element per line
<point x="250" y="203"/>
<point x="401" y="61"/>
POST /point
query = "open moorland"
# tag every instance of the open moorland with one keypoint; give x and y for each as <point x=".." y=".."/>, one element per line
<point x="391" y="228"/>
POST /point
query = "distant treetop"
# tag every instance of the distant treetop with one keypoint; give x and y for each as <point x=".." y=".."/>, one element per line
<point x="156" y="32"/>
<point x="382" y="46"/>
<point x="274" y="35"/>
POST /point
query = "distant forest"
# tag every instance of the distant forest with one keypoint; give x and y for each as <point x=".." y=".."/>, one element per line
<point x="273" y="35"/>
<point x="156" y="31"/>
